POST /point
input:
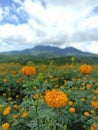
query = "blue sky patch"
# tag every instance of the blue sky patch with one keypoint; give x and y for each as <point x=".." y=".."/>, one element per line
<point x="95" y="10"/>
<point x="6" y="2"/>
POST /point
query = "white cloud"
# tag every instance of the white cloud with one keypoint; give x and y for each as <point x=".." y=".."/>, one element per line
<point x="87" y="46"/>
<point x="89" y="23"/>
<point x="18" y="34"/>
<point x="93" y="47"/>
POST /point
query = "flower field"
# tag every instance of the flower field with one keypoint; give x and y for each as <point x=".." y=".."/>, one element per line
<point x="48" y="97"/>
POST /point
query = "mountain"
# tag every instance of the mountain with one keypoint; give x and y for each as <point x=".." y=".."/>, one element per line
<point x="49" y="51"/>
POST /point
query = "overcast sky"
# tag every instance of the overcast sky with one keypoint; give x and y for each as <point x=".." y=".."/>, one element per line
<point x="61" y="23"/>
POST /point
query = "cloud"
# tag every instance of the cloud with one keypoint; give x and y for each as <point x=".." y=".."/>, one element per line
<point x="50" y="22"/>
<point x="91" y="46"/>
<point x="16" y="34"/>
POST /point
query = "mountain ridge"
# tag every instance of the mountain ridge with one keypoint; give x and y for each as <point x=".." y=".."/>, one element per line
<point x="49" y="51"/>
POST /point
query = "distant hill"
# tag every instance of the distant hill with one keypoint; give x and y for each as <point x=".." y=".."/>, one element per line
<point x="49" y="51"/>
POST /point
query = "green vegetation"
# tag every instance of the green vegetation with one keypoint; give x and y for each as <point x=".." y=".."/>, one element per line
<point x="23" y="59"/>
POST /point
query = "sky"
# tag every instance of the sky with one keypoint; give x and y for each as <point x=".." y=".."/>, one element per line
<point x="59" y="23"/>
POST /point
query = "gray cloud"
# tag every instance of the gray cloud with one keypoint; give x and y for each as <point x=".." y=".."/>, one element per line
<point x="85" y="36"/>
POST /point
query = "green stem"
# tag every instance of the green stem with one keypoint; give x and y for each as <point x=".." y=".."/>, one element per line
<point x="36" y="109"/>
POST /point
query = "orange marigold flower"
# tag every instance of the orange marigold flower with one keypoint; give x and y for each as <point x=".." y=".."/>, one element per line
<point x="72" y="109"/>
<point x="70" y="103"/>
<point x="96" y="91"/>
<point x="8" y="108"/>
<point x="88" y="86"/>
<point x="94" y="97"/>
<point x="86" y="114"/>
<point x="6" y="111"/>
<point x="85" y="69"/>
<point x="93" y="127"/>
<point x="24" y="114"/>
<point x="15" y="106"/>
<point x="94" y="104"/>
<point x="4" y="80"/>
<point x="5" y="126"/>
<point x="15" y="116"/>
<point x="28" y="70"/>
<point x="55" y="98"/>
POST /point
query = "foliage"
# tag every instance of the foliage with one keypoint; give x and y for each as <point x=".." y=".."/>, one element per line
<point x="23" y="98"/>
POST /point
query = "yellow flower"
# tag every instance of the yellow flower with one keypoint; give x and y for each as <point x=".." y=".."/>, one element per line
<point x="72" y="109"/>
<point x="55" y="98"/>
<point x="24" y="114"/>
<point x="92" y="111"/>
<point x="9" y="99"/>
<point x="22" y="110"/>
<point x="4" y="94"/>
<point x="85" y="69"/>
<point x="17" y="96"/>
<point x="5" y="126"/>
<point x="28" y="70"/>
<point x="83" y="99"/>
<point x="86" y="114"/>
